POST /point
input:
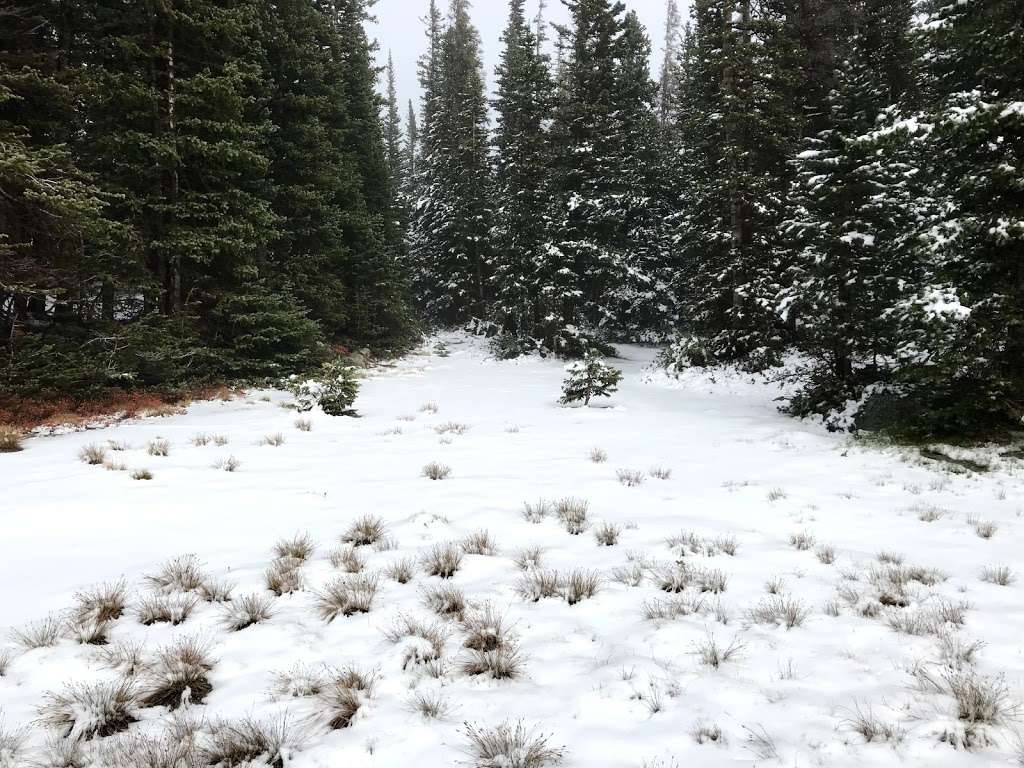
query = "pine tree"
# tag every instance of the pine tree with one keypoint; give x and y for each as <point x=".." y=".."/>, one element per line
<point x="668" y="79"/>
<point x="739" y="123"/>
<point x="963" y="337"/>
<point x="522" y="184"/>
<point x="586" y="248"/>
<point x="396" y="158"/>
<point x="855" y="202"/>
<point x="643" y="303"/>
<point x="451" y="246"/>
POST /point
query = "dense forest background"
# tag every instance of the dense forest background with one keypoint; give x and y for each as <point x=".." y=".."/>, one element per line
<point x="199" y="190"/>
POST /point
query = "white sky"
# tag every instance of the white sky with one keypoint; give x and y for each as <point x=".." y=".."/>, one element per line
<point x="400" y="29"/>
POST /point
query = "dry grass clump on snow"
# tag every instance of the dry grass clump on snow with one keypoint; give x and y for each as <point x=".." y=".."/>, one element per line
<point x="304" y="425"/>
<point x="423" y="642"/>
<point x="573" y="514"/>
<point x="216" y="590"/>
<point x="10" y="439"/>
<point x="44" y="633"/>
<point x="181" y="574"/>
<point x="230" y="464"/>
<point x="688" y="541"/>
<point x="442" y="560"/>
<point x="446" y="600"/>
<point x="365" y="531"/>
<point x="707" y="733"/>
<point x="451" y="428"/>
<point x="275" y="440"/>
<point x="171" y="749"/>
<point x="165" y="609"/>
<point x="871" y="727"/>
<point x="607" y="534"/>
<point x="87" y="711"/>
<point x="179" y="676"/>
<point x="712" y="654"/>
<point x="630" y="478"/>
<point x="999" y="575"/>
<point x="802" y="541"/>
<point x="201" y="439"/>
<point x="430" y="407"/>
<point x="510" y="746"/>
<point x="345" y="691"/>
<point x="299" y="681"/>
<point x="529" y="558"/>
<point x="536" y="585"/>
<point x="403" y="571"/>
<point x="537" y="511"/>
<point x="93" y="455"/>
<point x="436" y="471"/>
<point x="128" y="657"/>
<point x="347" y="596"/>
<point x="779" y="609"/>
<point x="826" y="554"/>
<point x="284" y="576"/>
<point x="485" y="629"/>
<point x="159" y="447"/>
<point x="247" y="610"/>
<point x="299" y="547"/>
<point x="115" y="466"/>
<point x="7" y="655"/>
<point x="479" y="543"/>
<point x="141" y="474"/>
<point x="430" y="705"/>
<point x="660" y="473"/>
<point x="581" y="585"/>
<point x="347" y="559"/>
<point x="12" y="746"/>
<point x="985" y="529"/>
<point x="598" y="455"/>
<point x="927" y="620"/>
<point x="502" y="663"/>
<point x="102" y="603"/>
<point x="249" y="742"/>
<point x="669" y="609"/>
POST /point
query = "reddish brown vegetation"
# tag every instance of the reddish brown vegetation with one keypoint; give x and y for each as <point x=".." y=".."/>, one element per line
<point x="28" y="413"/>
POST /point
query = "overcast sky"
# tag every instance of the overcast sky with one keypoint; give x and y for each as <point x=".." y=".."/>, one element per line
<point x="399" y="29"/>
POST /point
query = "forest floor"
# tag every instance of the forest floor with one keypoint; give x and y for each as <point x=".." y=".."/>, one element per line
<point x="743" y="589"/>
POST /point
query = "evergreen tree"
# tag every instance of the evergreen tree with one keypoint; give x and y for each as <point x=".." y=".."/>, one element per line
<point x="855" y="203"/>
<point x="643" y="303"/>
<point x="451" y="244"/>
<point x="963" y="336"/>
<point x="586" y="247"/>
<point x="522" y="184"/>
<point x="739" y="123"/>
<point x="396" y="158"/>
<point x="668" y="80"/>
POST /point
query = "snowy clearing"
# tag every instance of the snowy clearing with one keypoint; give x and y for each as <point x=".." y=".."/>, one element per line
<point x="742" y="588"/>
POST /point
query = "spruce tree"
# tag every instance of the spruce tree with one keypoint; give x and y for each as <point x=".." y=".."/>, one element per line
<point x="522" y="184"/>
<point x="855" y="203"/>
<point x="586" y="252"/>
<point x="739" y="124"/>
<point x="642" y="305"/>
<point x="963" y="336"/>
<point x="451" y="245"/>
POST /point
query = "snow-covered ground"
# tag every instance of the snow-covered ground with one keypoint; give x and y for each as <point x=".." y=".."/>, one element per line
<point x="611" y="685"/>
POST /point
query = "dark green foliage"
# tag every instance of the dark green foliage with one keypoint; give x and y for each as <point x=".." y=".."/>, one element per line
<point x="522" y="188"/>
<point x="589" y="378"/>
<point x="450" y="244"/>
<point x="191" y="191"/>
<point x="334" y="389"/>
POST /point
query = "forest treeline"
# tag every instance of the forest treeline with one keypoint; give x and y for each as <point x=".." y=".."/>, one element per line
<point x="839" y="178"/>
<point x="191" y="190"/>
<point x="214" y="189"/>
